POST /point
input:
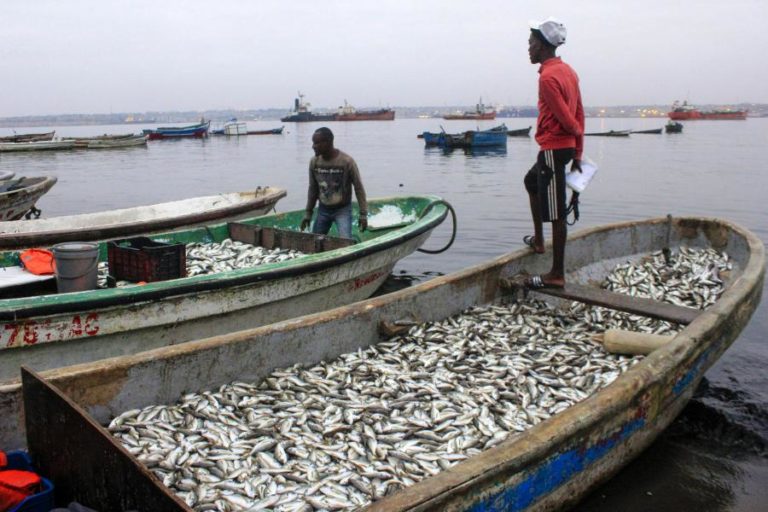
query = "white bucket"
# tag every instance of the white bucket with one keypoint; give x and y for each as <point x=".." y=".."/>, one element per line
<point x="76" y="265"/>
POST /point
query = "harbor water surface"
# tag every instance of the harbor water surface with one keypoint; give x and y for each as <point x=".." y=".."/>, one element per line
<point x="713" y="457"/>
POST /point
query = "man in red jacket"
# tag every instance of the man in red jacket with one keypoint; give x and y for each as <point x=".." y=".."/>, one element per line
<point x="560" y="135"/>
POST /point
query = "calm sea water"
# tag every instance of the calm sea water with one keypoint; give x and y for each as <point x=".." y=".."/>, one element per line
<point x="714" y="457"/>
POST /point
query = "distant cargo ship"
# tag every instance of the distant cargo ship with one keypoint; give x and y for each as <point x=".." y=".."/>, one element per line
<point x="302" y="114"/>
<point x="481" y="112"/>
<point x="686" y="112"/>
<point x="350" y="113"/>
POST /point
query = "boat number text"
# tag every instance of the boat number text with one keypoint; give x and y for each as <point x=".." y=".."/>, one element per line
<point x="32" y="332"/>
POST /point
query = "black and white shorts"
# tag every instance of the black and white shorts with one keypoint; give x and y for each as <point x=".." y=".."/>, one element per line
<point x="546" y="179"/>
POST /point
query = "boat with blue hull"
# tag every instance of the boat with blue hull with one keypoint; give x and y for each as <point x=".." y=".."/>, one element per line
<point x="550" y="465"/>
<point x="199" y="130"/>
<point x="494" y="137"/>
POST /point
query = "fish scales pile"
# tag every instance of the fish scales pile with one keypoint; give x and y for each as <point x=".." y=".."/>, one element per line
<point x="343" y="433"/>
<point x="214" y="257"/>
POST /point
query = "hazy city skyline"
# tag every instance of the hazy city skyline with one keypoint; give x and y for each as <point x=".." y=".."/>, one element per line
<point x="84" y="56"/>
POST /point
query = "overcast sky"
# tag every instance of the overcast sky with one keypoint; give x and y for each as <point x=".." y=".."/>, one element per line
<point x="83" y="56"/>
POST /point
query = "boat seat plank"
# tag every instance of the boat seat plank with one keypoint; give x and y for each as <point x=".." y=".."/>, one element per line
<point x="635" y="305"/>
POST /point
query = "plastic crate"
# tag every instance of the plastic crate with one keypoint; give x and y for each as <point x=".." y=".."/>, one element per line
<point x="40" y="502"/>
<point x="143" y="259"/>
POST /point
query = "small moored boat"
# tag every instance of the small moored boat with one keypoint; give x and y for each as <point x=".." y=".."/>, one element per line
<point x="149" y="219"/>
<point x="28" y="137"/>
<point x="109" y="141"/>
<point x="43" y="145"/>
<point x="52" y="330"/>
<point x="18" y="196"/>
<point x="674" y="127"/>
<point x="172" y="132"/>
<point x="273" y="131"/>
<point x="654" y="131"/>
<point x="441" y="389"/>
<point x="612" y="133"/>
<point x="522" y="132"/>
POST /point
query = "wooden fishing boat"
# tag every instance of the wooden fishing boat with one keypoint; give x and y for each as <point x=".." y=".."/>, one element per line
<point x="273" y="131"/>
<point x="546" y="467"/>
<point x="37" y="145"/>
<point x="148" y="219"/>
<point x="522" y="132"/>
<point x="123" y="142"/>
<point x="654" y="131"/>
<point x="18" y="196"/>
<point x="494" y="137"/>
<point x="612" y="133"/>
<point x="109" y="141"/>
<point x="199" y="130"/>
<point x="52" y="330"/>
<point x="28" y="137"/>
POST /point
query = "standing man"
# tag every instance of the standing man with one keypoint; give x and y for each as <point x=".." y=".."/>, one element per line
<point x="332" y="175"/>
<point x="560" y="135"/>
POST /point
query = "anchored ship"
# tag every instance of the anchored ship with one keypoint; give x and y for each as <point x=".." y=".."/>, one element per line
<point x="686" y="112"/>
<point x="302" y="114"/>
<point x="481" y="112"/>
<point x="350" y="113"/>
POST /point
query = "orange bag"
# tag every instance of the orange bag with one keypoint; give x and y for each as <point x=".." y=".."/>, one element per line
<point x="37" y="261"/>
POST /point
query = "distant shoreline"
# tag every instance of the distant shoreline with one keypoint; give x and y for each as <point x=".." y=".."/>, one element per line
<point x="274" y="115"/>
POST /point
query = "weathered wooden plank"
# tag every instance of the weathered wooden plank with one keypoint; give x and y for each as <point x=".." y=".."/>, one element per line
<point x="620" y="302"/>
<point x="84" y="461"/>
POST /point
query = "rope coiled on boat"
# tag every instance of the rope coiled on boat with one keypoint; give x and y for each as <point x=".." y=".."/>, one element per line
<point x="453" y="220"/>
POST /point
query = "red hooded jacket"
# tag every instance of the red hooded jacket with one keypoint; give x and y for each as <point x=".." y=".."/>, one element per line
<point x="561" y="114"/>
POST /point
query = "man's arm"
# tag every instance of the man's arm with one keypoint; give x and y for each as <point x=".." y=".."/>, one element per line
<point x="580" y="136"/>
<point x="362" y="201"/>
<point x="312" y="195"/>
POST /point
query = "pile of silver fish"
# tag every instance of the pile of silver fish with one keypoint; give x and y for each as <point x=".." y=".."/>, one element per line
<point x="230" y="254"/>
<point x="210" y="258"/>
<point x="343" y="433"/>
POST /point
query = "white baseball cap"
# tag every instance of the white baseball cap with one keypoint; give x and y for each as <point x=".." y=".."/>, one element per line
<point x="552" y="29"/>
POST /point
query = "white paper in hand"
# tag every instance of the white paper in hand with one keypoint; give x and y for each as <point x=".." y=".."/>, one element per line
<point x="578" y="181"/>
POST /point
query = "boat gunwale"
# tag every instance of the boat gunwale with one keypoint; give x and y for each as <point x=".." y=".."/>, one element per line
<point x="13" y="241"/>
<point x="15" y="310"/>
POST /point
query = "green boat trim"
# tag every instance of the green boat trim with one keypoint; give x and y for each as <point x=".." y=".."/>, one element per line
<point x="369" y="242"/>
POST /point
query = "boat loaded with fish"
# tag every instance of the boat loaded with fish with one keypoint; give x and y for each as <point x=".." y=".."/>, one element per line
<point x="123" y="222"/>
<point x="460" y="393"/>
<point x="221" y="286"/>
<point x="199" y="130"/>
<point x="18" y="196"/>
